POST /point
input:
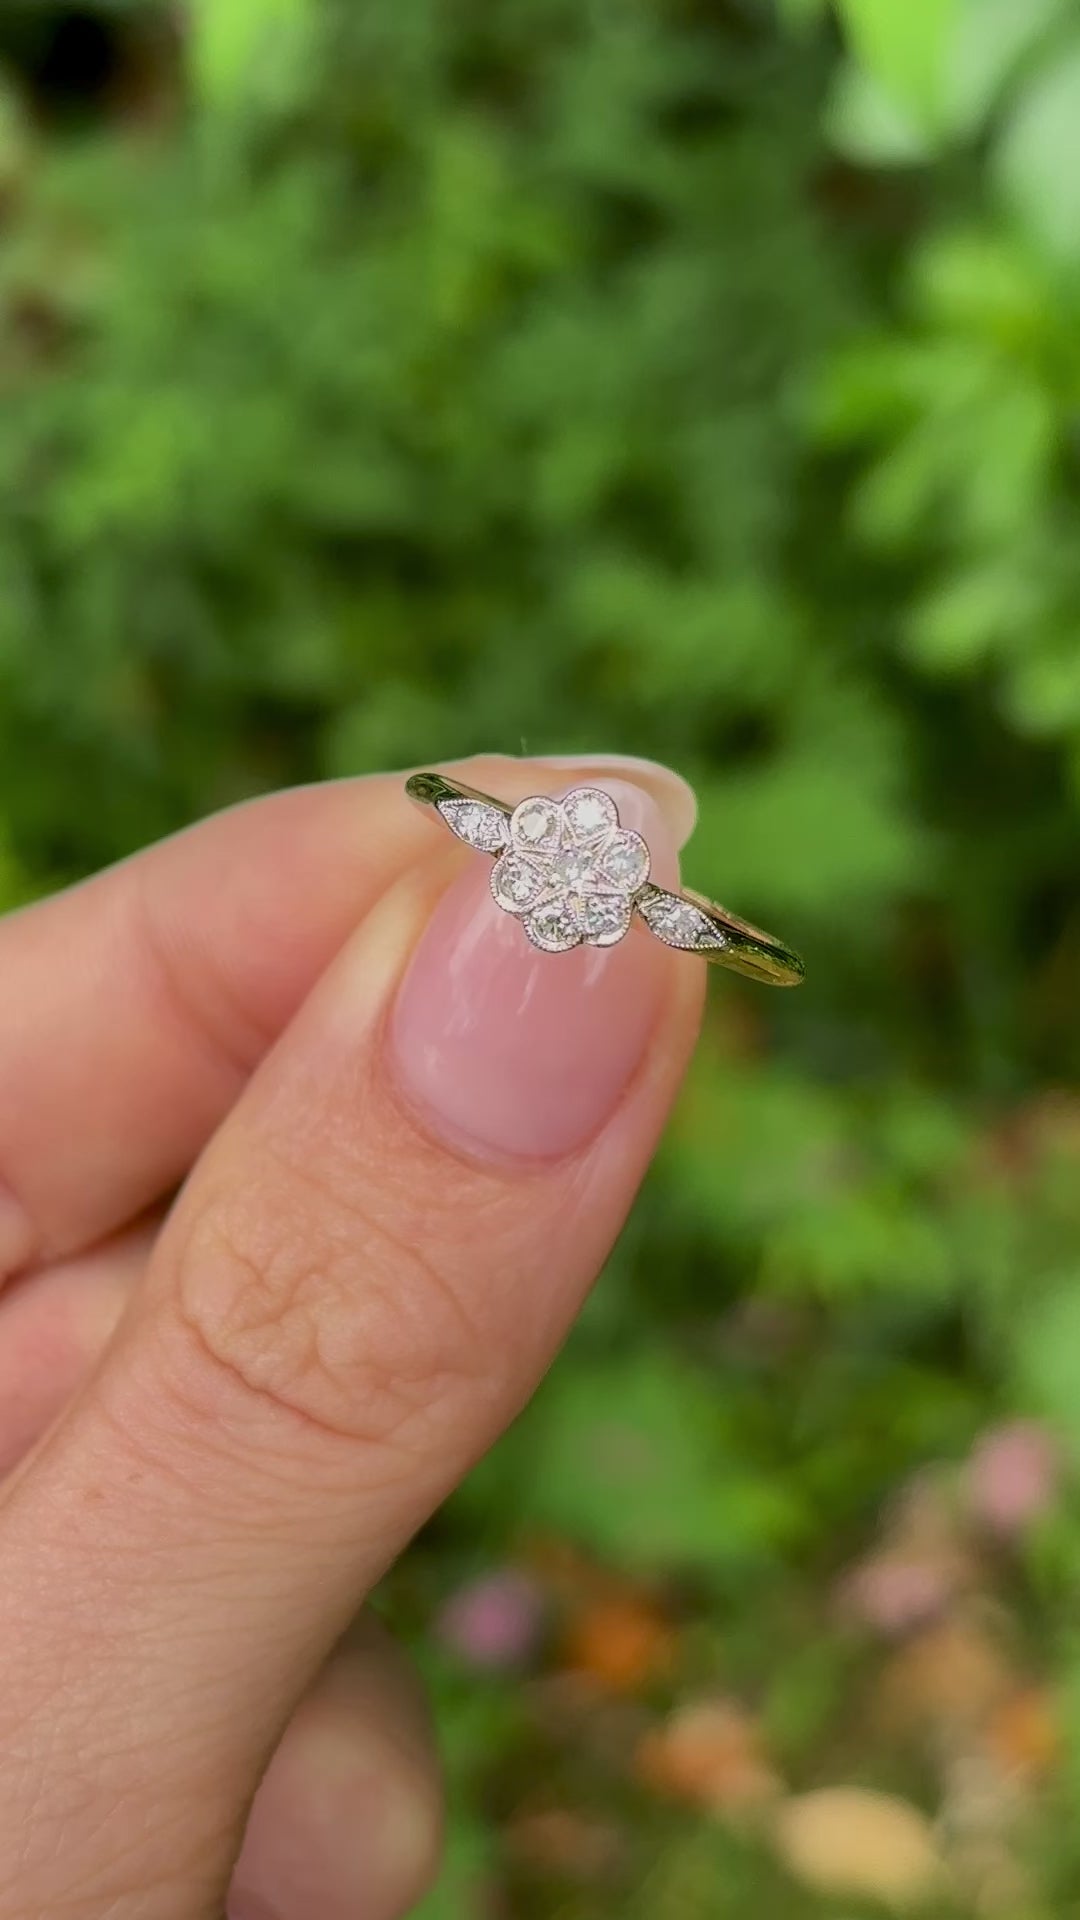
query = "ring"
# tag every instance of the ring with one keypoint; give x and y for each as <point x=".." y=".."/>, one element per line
<point x="572" y="875"/>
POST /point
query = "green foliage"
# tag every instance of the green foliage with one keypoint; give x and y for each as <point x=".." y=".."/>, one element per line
<point x="1039" y="158"/>
<point x="904" y="48"/>
<point x="634" y="1457"/>
<point x="965" y="410"/>
<point x="419" y="379"/>
<point x="249" y="52"/>
<point x="923" y="77"/>
<point x="1049" y="1356"/>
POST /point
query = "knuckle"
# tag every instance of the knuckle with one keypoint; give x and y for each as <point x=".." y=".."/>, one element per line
<point x="299" y="1300"/>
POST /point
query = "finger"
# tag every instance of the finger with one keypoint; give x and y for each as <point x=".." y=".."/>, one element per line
<point x="370" y="1268"/>
<point x="143" y="999"/>
<point x="54" y="1326"/>
<point x="348" y="1816"/>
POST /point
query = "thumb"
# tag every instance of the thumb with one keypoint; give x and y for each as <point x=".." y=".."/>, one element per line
<point x="371" y="1266"/>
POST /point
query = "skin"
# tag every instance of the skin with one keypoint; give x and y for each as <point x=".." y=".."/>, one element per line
<point x="271" y="1282"/>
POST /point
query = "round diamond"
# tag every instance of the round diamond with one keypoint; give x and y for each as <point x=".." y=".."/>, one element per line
<point x="535" y="824"/>
<point x="553" y="927"/>
<point x="573" y="867"/>
<point x="589" y="812"/>
<point x="516" y="883"/>
<point x="626" y="861"/>
<point x="605" y="917"/>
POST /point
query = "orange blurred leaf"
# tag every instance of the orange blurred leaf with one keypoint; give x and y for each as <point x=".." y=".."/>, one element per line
<point x="1023" y="1735"/>
<point x="622" y="1644"/>
<point x="710" y="1754"/>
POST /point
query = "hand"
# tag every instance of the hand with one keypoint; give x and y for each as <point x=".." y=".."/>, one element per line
<point x="407" y="1142"/>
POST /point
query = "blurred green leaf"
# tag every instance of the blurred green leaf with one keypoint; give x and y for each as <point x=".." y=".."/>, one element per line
<point x="904" y="49"/>
<point x="1048" y="1355"/>
<point x="635" y="1457"/>
<point x="1045" y="692"/>
<point x="464" y="1873"/>
<point x="249" y="51"/>
<point x="14" y="134"/>
<point x="802" y="13"/>
<point x="868" y="124"/>
<point x="958" y="625"/>
<point x="808" y="830"/>
<point x="1038" y="155"/>
<point x="975" y="282"/>
<point x="989" y="44"/>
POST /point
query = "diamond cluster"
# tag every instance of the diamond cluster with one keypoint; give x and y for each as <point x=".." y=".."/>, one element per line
<point x="572" y="875"/>
<point x="570" y="872"/>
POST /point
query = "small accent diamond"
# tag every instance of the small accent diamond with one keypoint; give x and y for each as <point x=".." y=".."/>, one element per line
<point x="679" y="922"/>
<point x="479" y="825"/>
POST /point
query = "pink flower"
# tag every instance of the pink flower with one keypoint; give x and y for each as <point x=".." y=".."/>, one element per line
<point x="495" y="1622"/>
<point x="894" y="1594"/>
<point x="1012" y="1476"/>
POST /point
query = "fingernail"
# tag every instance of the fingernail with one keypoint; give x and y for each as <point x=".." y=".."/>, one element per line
<point x="676" y="797"/>
<point x="512" y="1053"/>
<point x="338" y="1829"/>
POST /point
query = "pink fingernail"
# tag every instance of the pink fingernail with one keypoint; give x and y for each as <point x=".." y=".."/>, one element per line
<point x="677" y="798"/>
<point x="514" y="1053"/>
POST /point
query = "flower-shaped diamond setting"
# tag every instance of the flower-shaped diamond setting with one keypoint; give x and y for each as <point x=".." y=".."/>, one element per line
<point x="570" y="873"/>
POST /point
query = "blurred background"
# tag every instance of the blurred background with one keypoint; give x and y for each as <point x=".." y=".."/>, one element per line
<point x="383" y="381"/>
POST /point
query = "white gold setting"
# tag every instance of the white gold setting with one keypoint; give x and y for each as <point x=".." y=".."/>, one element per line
<point x="570" y="872"/>
<point x="573" y="876"/>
